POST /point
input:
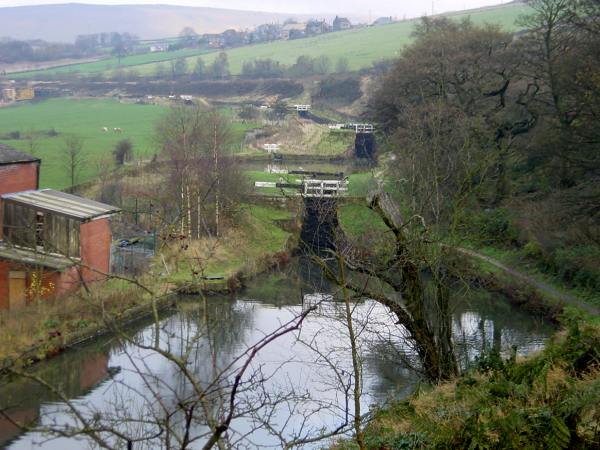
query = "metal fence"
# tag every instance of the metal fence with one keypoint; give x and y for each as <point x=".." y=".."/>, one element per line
<point x="132" y="256"/>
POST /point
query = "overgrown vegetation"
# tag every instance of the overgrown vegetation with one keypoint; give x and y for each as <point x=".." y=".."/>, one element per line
<point x="505" y="155"/>
<point x="341" y="90"/>
<point x="548" y="401"/>
<point x="48" y="325"/>
<point x="253" y="245"/>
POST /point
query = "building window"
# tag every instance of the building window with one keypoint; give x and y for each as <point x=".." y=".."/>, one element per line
<point x="40" y="230"/>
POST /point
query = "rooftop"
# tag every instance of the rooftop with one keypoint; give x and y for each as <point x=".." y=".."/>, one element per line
<point x="32" y="257"/>
<point x="62" y="203"/>
<point x="9" y="155"/>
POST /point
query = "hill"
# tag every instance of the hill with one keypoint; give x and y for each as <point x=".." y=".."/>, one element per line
<point x="63" y="22"/>
<point x="362" y="46"/>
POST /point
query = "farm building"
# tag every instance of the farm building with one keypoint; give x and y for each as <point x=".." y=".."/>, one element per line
<point x="50" y="242"/>
<point x="341" y="23"/>
<point x="11" y="94"/>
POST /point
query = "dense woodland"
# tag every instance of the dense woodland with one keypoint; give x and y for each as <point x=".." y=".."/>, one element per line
<point x="496" y="136"/>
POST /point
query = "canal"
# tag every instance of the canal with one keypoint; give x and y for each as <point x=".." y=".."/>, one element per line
<point x="297" y="387"/>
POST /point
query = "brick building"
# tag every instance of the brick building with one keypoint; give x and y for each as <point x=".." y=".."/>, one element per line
<point x="50" y="242"/>
<point x="18" y="172"/>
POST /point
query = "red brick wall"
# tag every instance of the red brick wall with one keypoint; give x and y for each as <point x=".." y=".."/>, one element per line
<point x="15" y="178"/>
<point x="95" y="241"/>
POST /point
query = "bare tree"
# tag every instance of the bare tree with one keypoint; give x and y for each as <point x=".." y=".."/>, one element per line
<point x="74" y="158"/>
<point x="197" y="145"/>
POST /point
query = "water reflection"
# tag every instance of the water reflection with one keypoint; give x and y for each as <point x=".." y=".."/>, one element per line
<point x="306" y="376"/>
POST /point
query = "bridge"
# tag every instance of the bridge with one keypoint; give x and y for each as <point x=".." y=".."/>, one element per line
<point x="301" y="107"/>
<point x="320" y="192"/>
<point x="303" y="110"/>
<point x="311" y="184"/>
<point x="359" y="128"/>
<point x="271" y="148"/>
<point x="364" y="143"/>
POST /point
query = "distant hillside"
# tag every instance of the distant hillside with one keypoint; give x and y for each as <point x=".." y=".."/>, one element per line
<point x="64" y="22"/>
<point x="361" y="46"/>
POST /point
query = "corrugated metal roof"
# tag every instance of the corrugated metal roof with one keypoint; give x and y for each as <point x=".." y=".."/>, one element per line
<point x="9" y="155"/>
<point x="62" y="203"/>
<point x="33" y="258"/>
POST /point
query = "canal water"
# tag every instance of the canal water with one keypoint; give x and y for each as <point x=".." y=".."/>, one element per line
<point x="297" y="387"/>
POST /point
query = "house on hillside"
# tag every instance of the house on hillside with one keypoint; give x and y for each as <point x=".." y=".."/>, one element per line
<point x="315" y="27"/>
<point x="234" y="38"/>
<point x="341" y="23"/>
<point x="50" y="242"/>
<point x="383" y="21"/>
<point x="292" y="31"/>
<point x="214" y="40"/>
<point x="159" y="48"/>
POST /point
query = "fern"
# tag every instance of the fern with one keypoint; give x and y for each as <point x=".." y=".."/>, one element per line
<point x="559" y="436"/>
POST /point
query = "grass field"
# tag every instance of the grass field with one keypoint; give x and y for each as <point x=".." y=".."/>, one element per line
<point x="84" y="118"/>
<point x="111" y="63"/>
<point x="362" y="46"/>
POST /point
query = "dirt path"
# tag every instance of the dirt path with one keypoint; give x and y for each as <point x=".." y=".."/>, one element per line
<point x="544" y="287"/>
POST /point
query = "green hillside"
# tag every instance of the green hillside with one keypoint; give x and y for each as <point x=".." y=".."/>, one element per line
<point x="361" y="46"/>
<point x="111" y="63"/>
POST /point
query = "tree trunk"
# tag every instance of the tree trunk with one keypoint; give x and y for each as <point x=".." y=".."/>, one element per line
<point x="435" y="349"/>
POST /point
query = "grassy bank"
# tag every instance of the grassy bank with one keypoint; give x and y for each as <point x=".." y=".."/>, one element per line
<point x="547" y="401"/>
<point x="41" y="330"/>
<point x="521" y="261"/>
<point x="259" y="240"/>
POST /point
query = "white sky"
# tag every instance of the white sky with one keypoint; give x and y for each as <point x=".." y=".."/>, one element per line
<point x="365" y="8"/>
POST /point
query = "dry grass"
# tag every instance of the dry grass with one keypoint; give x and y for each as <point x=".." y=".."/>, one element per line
<point x="47" y="324"/>
<point x="296" y="137"/>
<point x="243" y="249"/>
